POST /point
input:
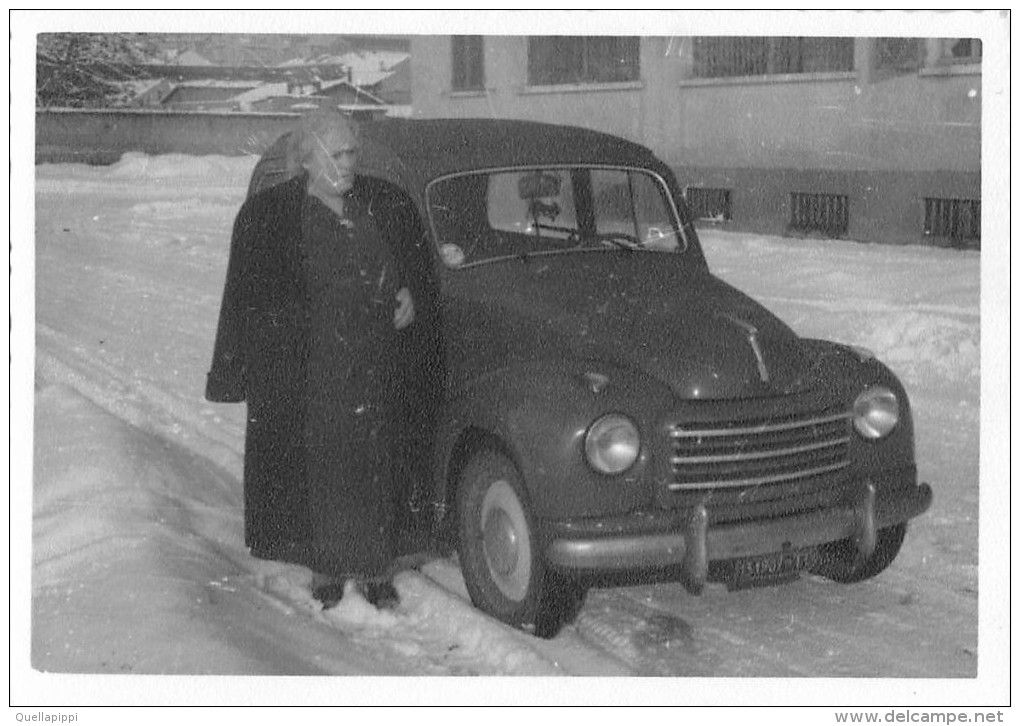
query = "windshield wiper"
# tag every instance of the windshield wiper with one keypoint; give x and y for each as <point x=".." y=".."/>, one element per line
<point x="620" y="240"/>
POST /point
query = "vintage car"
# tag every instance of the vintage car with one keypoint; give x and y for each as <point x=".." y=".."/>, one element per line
<point x="591" y="402"/>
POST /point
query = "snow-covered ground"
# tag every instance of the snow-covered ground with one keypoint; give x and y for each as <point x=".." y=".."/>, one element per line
<point x="138" y="563"/>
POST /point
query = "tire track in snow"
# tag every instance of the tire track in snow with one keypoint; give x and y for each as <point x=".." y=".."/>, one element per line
<point x="651" y="640"/>
<point x="441" y="631"/>
<point x="659" y="636"/>
<point x="431" y="632"/>
<point x="569" y="649"/>
<point x="435" y="630"/>
<point x="143" y="405"/>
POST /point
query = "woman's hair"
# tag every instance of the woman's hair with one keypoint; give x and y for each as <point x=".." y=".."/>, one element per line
<point x="313" y="126"/>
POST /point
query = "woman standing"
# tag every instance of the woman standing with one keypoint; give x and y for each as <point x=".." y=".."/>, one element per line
<point x="307" y="336"/>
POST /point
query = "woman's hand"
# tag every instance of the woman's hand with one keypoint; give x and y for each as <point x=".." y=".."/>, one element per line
<point x="404" y="314"/>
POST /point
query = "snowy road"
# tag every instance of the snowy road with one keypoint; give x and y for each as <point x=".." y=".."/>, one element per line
<point x="138" y="559"/>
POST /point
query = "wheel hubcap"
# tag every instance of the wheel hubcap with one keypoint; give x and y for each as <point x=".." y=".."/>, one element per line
<point x="500" y="542"/>
<point x="506" y="540"/>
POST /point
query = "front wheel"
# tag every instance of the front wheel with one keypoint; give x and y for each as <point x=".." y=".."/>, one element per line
<point x="838" y="561"/>
<point x="502" y="571"/>
<point x="502" y="567"/>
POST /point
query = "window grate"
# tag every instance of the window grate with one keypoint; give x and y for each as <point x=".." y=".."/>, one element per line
<point x="956" y="219"/>
<point x="709" y="203"/>
<point x="554" y="60"/>
<point x="732" y="56"/>
<point x="825" y="213"/>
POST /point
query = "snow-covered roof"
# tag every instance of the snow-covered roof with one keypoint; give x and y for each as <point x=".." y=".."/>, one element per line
<point x="292" y="62"/>
<point x="400" y="111"/>
<point x="266" y="90"/>
<point x="370" y="78"/>
<point x="141" y="86"/>
<point x="216" y="83"/>
<point x="367" y="69"/>
<point x="326" y="85"/>
<point x="319" y="60"/>
<point x="190" y="58"/>
<point x="378" y="60"/>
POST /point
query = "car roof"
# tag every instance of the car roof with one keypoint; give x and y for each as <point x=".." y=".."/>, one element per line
<point x="434" y="147"/>
<point x="412" y="152"/>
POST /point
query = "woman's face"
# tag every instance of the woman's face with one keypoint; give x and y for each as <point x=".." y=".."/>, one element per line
<point x="332" y="161"/>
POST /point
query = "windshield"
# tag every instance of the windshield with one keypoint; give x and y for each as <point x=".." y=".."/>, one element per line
<point x="493" y="215"/>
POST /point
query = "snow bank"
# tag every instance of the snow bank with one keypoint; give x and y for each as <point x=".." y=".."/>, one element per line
<point x="134" y="573"/>
<point x="917" y="308"/>
<point x="164" y="170"/>
<point x="120" y="572"/>
<point x="927" y="344"/>
<point x="227" y="169"/>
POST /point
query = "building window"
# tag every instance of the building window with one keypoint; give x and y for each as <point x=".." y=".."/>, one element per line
<point x="559" y="60"/>
<point x="709" y="203"/>
<point x="468" y="63"/>
<point x="825" y="213"/>
<point x="958" y="220"/>
<point x="959" y="50"/>
<point x="725" y="57"/>
<point x="898" y="54"/>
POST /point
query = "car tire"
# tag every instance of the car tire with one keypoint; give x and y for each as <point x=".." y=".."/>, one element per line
<point x="496" y="541"/>
<point x="562" y="600"/>
<point x="837" y="561"/>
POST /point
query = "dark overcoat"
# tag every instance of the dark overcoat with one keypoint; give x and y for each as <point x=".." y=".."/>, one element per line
<point x="306" y="338"/>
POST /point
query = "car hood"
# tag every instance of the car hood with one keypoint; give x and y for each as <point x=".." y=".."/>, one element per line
<point x="650" y="311"/>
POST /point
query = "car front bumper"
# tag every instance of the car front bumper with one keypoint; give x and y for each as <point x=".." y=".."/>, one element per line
<point x="666" y="539"/>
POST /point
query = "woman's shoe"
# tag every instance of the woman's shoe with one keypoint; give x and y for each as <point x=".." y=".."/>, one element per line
<point x="380" y="593"/>
<point x="328" y="589"/>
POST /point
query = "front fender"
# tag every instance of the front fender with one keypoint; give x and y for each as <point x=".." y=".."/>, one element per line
<point x="538" y="413"/>
<point x="858" y="370"/>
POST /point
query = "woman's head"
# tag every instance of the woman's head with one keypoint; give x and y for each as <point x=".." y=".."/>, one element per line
<point x="325" y="144"/>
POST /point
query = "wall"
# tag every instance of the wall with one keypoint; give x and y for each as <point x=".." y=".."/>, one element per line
<point x="885" y="206"/>
<point x="616" y="108"/>
<point x="886" y="141"/>
<point x="101" y="137"/>
<point x="912" y="121"/>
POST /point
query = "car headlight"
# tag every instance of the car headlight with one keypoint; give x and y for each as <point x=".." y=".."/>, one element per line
<point x="876" y="412"/>
<point x="612" y="444"/>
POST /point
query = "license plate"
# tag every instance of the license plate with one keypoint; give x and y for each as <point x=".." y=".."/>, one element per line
<point x="770" y="569"/>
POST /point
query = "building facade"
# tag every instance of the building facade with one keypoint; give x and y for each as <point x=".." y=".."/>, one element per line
<point x="873" y="139"/>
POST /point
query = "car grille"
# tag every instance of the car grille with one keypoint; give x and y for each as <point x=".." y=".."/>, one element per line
<point x="760" y="454"/>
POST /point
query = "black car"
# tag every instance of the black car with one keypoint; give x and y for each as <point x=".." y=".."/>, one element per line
<point x="591" y="402"/>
